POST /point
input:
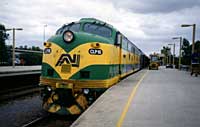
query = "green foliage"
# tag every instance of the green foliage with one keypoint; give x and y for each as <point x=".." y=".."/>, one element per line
<point x="187" y="50"/>
<point x="186" y="43"/>
<point x="186" y="54"/>
<point x="197" y="46"/>
<point x="3" y="50"/>
<point x="166" y="51"/>
<point x="33" y="48"/>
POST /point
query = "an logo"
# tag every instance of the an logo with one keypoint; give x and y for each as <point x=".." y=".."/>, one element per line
<point x="95" y="51"/>
<point x="74" y="61"/>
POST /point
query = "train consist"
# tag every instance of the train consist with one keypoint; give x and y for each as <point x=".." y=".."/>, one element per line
<point x="81" y="61"/>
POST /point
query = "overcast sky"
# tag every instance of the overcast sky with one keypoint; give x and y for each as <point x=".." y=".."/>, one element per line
<point x="149" y="24"/>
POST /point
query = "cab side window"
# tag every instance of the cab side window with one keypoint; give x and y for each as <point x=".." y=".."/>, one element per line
<point x="75" y="27"/>
<point x="118" y="39"/>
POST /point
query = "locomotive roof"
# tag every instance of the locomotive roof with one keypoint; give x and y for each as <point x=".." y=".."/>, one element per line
<point x="94" y="20"/>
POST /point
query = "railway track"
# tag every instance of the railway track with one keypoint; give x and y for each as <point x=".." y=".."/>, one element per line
<point x="14" y="93"/>
<point x="51" y="121"/>
<point x="35" y="121"/>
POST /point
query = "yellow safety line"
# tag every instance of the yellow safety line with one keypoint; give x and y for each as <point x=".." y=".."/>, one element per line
<point x="121" y="119"/>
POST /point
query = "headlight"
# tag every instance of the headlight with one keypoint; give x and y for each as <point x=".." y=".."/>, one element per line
<point x="49" y="88"/>
<point x="68" y="36"/>
<point x="86" y="91"/>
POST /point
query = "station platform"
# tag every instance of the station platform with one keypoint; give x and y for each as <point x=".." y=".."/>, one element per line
<point x="19" y="70"/>
<point x="148" y="98"/>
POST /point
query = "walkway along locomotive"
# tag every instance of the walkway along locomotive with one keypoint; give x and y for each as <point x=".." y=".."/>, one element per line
<point x="81" y="61"/>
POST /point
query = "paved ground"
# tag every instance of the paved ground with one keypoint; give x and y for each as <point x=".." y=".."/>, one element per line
<point x="163" y="98"/>
<point x="7" y="69"/>
<point x="19" y="70"/>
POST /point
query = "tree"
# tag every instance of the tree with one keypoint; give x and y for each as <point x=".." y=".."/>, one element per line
<point x="186" y="47"/>
<point x="197" y="46"/>
<point x="186" y="54"/>
<point x="3" y="50"/>
<point x="25" y="47"/>
<point x="166" y="51"/>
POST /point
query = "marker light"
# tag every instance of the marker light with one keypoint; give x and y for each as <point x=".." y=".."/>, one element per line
<point x="86" y="91"/>
<point x="47" y="50"/>
<point x="49" y="88"/>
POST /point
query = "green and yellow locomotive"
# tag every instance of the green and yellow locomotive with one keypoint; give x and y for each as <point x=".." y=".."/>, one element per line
<point x="81" y="61"/>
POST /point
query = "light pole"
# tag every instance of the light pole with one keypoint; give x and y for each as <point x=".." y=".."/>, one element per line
<point x="193" y="35"/>
<point x="173" y="52"/>
<point x="13" y="50"/>
<point x="179" y="61"/>
<point x="44" y="32"/>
